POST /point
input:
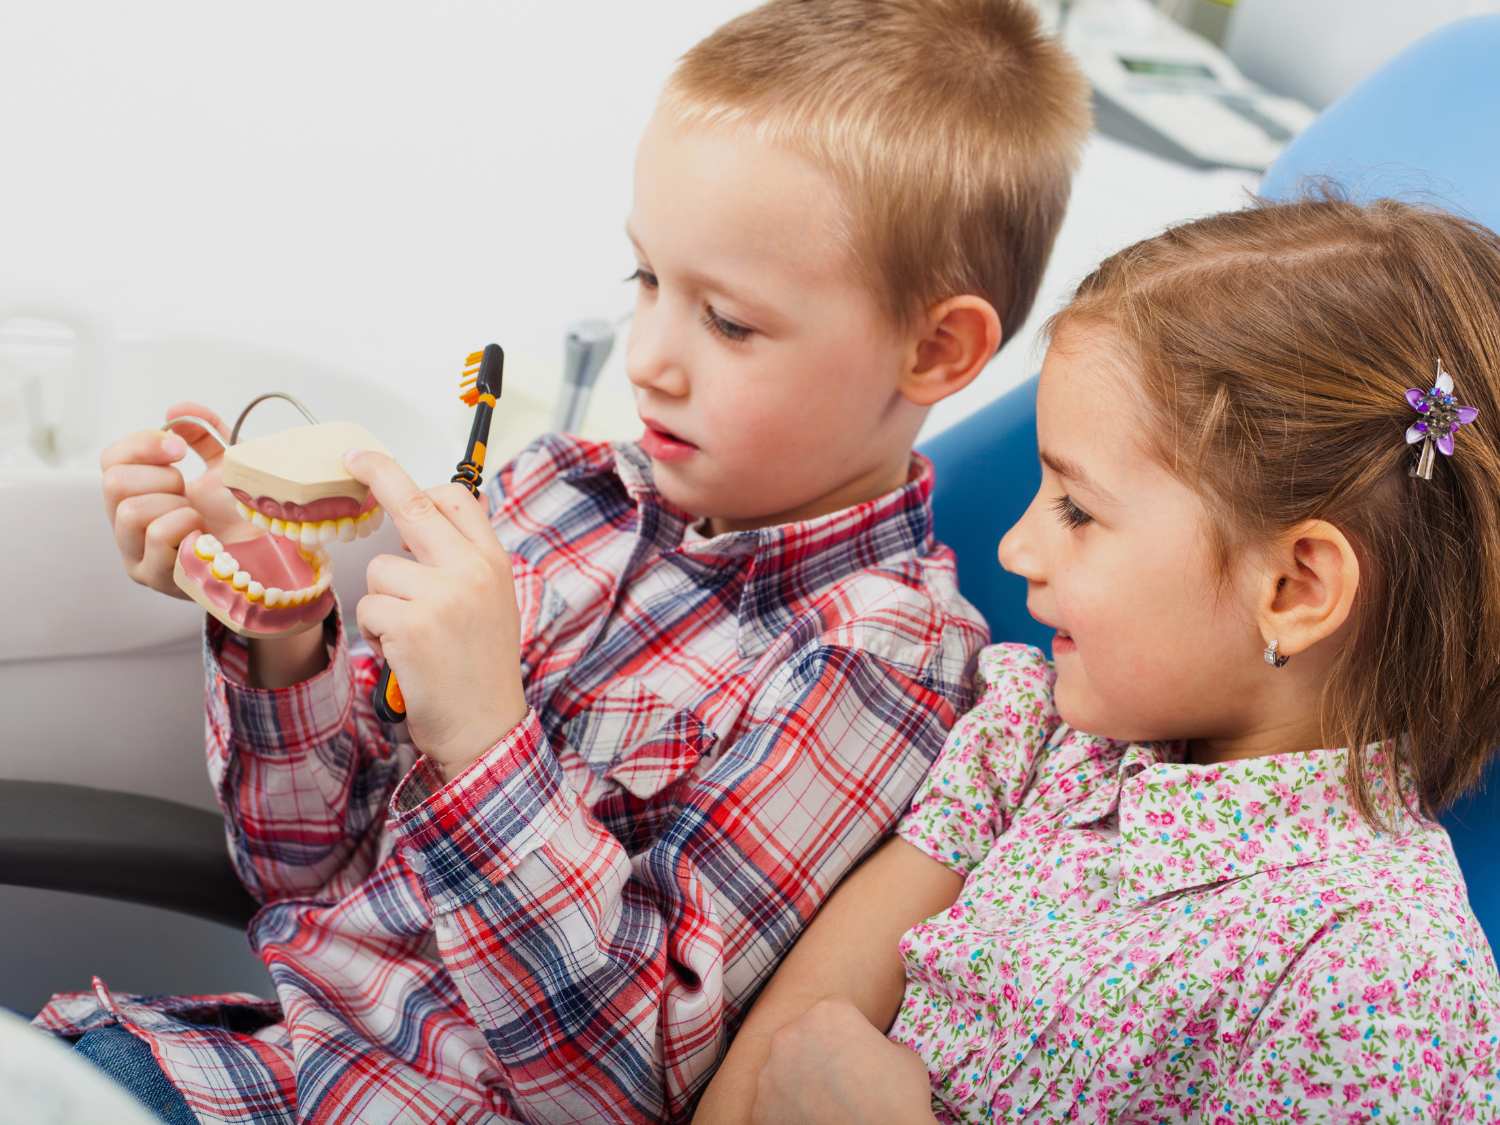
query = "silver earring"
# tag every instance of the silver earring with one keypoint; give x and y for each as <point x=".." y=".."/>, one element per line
<point x="1272" y="658"/>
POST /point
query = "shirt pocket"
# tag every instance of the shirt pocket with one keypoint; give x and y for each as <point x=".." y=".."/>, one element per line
<point x="631" y="736"/>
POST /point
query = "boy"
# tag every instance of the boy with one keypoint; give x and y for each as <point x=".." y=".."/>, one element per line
<point x="669" y="692"/>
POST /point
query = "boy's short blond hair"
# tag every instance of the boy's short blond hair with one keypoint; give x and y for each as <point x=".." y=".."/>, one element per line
<point x="953" y="127"/>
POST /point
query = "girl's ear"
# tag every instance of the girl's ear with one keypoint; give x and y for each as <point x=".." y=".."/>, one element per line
<point x="956" y="339"/>
<point x="1309" y="587"/>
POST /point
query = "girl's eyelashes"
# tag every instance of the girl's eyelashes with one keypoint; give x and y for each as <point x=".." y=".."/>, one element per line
<point x="1070" y="514"/>
<point x="728" y="329"/>
<point x="645" y="277"/>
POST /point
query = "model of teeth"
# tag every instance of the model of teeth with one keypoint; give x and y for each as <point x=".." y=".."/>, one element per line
<point x="293" y="487"/>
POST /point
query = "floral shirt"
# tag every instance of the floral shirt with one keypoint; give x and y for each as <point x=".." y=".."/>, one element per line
<point x="1141" y="939"/>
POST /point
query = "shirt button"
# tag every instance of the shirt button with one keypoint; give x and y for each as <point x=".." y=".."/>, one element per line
<point x="417" y="862"/>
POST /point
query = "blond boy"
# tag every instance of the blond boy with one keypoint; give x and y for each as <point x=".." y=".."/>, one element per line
<point x="665" y="697"/>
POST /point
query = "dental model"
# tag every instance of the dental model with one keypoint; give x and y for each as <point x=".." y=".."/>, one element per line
<point x="293" y="486"/>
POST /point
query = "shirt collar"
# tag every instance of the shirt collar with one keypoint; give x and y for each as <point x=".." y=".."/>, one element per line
<point x="793" y="564"/>
<point x="1184" y="825"/>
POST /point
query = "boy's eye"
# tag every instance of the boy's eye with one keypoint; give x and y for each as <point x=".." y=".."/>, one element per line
<point x="1070" y="514"/>
<point x="645" y="277"/>
<point x="725" y="328"/>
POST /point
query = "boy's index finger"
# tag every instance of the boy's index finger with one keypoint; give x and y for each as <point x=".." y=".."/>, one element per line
<point x="427" y="532"/>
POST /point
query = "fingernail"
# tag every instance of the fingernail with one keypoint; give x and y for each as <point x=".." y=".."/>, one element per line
<point x="174" y="447"/>
<point x="351" y="454"/>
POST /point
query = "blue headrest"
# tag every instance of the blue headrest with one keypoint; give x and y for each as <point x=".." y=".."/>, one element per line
<point x="1425" y="125"/>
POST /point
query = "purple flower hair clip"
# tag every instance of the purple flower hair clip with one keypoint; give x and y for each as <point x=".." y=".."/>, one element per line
<point x="1442" y="415"/>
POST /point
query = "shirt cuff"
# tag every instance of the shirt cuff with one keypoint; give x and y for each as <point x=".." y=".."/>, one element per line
<point x="465" y="836"/>
<point x="283" y="721"/>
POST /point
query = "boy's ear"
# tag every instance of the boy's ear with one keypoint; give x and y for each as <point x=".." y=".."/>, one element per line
<point x="1309" y="587"/>
<point x="956" y="339"/>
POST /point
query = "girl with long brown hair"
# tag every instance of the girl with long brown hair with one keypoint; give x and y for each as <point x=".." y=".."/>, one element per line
<point x="1189" y="868"/>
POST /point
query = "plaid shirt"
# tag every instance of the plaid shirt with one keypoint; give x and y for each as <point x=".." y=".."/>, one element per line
<point x="572" y="929"/>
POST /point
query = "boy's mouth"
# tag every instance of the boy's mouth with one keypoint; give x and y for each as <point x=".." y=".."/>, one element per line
<point x="662" y="444"/>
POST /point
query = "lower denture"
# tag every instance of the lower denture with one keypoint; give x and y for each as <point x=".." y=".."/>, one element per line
<point x="226" y="568"/>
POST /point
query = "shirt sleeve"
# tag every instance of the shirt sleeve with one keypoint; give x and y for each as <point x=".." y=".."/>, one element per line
<point x="978" y="779"/>
<point x="303" y="773"/>
<point x="608" y="983"/>
<point x="1365" y="1037"/>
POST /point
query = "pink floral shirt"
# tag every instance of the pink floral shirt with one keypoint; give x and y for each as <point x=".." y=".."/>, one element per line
<point x="1141" y="939"/>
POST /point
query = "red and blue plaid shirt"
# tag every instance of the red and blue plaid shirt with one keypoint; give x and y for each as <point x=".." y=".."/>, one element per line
<point x="571" y="930"/>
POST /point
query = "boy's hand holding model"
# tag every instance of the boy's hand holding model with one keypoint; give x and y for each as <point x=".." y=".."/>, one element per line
<point x="667" y="694"/>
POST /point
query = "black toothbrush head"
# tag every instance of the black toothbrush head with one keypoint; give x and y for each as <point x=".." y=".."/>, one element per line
<point x="483" y="373"/>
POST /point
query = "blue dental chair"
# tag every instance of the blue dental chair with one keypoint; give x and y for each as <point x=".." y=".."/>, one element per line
<point x="1427" y="126"/>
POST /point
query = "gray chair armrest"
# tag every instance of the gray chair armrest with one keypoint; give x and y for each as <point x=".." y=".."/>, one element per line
<point x="122" y="846"/>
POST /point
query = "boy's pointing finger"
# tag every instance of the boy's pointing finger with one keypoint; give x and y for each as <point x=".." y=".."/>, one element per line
<point x="424" y="529"/>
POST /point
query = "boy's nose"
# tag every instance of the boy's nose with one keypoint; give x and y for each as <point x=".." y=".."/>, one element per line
<point x="651" y="362"/>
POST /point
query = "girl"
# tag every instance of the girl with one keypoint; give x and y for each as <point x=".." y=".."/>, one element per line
<point x="1269" y="523"/>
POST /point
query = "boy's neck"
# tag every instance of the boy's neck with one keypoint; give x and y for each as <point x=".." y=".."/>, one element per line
<point x="883" y="478"/>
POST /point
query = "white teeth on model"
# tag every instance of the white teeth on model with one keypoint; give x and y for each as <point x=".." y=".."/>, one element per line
<point x="309" y="532"/>
<point x="226" y="568"/>
<point x="312" y="536"/>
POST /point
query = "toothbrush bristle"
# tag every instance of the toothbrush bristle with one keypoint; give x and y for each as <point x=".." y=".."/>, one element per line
<point x="468" y="385"/>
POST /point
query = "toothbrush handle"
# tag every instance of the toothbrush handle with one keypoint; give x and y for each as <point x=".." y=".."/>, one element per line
<point x="390" y="704"/>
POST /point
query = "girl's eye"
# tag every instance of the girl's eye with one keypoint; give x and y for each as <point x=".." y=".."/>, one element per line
<point x="645" y="277"/>
<point x="725" y="328"/>
<point x="1072" y="516"/>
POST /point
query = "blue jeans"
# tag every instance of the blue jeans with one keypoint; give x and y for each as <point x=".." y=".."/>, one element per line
<point x="132" y="1065"/>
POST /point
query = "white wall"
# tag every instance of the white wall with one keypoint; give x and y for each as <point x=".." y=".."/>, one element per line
<point x="386" y="186"/>
<point x="383" y="185"/>
<point x="1315" y="50"/>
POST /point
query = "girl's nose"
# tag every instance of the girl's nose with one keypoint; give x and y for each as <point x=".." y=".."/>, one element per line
<point x="1018" y="548"/>
<point x="651" y="359"/>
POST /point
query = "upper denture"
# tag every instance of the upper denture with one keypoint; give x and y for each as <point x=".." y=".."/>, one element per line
<point x="328" y="508"/>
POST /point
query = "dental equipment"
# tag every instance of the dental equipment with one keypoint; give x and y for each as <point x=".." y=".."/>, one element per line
<point x="294" y="485"/>
<point x="587" y="345"/>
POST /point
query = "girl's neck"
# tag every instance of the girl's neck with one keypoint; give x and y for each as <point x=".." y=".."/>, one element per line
<point x="1288" y="738"/>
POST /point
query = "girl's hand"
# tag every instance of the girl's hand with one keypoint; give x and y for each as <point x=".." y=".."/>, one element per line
<point x="152" y="508"/>
<point x="447" y="623"/>
<point x="831" y="1067"/>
